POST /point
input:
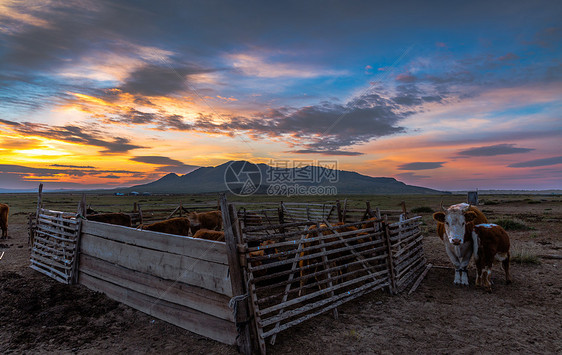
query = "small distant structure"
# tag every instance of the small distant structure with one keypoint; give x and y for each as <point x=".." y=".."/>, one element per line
<point x="146" y="193"/>
<point x="472" y="198"/>
<point x="133" y="193"/>
<point x="119" y="194"/>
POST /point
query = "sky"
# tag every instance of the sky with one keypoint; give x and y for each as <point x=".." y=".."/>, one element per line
<point x="442" y="94"/>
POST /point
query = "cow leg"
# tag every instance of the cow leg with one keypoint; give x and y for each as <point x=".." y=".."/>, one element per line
<point x="479" y="275"/>
<point x="505" y="264"/>
<point x="487" y="276"/>
<point x="456" y="263"/>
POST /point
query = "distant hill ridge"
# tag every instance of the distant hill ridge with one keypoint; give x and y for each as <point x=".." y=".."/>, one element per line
<point x="241" y="174"/>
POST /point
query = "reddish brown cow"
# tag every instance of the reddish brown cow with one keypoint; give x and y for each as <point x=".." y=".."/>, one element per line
<point x="4" y="209"/>
<point x="178" y="226"/>
<point x="205" y="220"/>
<point x="118" y="218"/>
<point x="209" y="235"/>
<point x="493" y="244"/>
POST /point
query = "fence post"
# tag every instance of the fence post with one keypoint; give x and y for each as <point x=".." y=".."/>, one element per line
<point x="338" y="205"/>
<point x="241" y="317"/>
<point x="392" y="286"/>
<point x="81" y="213"/>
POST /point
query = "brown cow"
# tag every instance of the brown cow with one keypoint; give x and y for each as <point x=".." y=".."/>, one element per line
<point x="209" y="235"/>
<point x="4" y="209"/>
<point x="493" y="244"/>
<point x="454" y="227"/>
<point x="205" y="220"/>
<point x="178" y="226"/>
<point x="118" y="218"/>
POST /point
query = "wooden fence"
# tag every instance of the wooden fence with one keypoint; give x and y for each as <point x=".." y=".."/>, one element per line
<point x="54" y="244"/>
<point x="181" y="280"/>
<point x="309" y="265"/>
<point x="280" y="266"/>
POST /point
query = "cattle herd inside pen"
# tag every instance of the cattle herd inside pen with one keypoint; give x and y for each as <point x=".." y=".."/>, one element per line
<point x="298" y="260"/>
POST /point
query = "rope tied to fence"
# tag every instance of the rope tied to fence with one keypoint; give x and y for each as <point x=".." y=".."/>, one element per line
<point x="233" y="304"/>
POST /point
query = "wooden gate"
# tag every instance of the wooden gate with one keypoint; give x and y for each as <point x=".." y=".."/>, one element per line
<point x="54" y="244"/>
<point x="309" y="269"/>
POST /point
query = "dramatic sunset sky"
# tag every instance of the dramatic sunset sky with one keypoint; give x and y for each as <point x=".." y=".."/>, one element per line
<point x="449" y="95"/>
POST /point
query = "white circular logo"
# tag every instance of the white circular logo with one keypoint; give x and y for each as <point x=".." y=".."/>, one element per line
<point x="242" y="178"/>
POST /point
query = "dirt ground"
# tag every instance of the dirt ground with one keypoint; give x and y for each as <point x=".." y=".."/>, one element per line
<point x="39" y="315"/>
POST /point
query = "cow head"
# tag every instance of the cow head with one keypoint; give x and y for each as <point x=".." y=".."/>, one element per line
<point x="455" y="219"/>
<point x="193" y="219"/>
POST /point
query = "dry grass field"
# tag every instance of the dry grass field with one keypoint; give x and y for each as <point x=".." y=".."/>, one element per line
<point x="39" y="315"/>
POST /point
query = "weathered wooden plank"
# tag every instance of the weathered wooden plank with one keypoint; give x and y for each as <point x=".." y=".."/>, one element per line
<point x="54" y="236"/>
<point x="271" y="275"/>
<point x="54" y="255"/>
<point x="372" y="268"/>
<point x="405" y="237"/>
<point x="176" y="244"/>
<point x="310" y="306"/>
<point x="404" y="280"/>
<point x="56" y="228"/>
<point x="316" y="294"/>
<point x="58" y="262"/>
<point x="407" y="247"/>
<point x="182" y="316"/>
<point x="239" y="290"/>
<point x="49" y="272"/>
<point x="45" y="210"/>
<point x="54" y="248"/>
<point x="61" y="235"/>
<point x="60" y="219"/>
<point x="368" y="234"/>
<point x="420" y="278"/>
<point x="63" y="246"/>
<point x="312" y="246"/>
<point x="194" y="297"/>
<point x="351" y="297"/>
<point x="410" y="220"/>
<point x="413" y="252"/>
<point x="197" y="272"/>
<point x="49" y="268"/>
<point x="316" y="255"/>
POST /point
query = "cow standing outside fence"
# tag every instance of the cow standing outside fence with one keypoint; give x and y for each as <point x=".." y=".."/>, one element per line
<point x="454" y="227"/>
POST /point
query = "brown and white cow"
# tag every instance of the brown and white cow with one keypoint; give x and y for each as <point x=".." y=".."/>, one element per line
<point x="205" y="220"/>
<point x="493" y="244"/>
<point x="455" y="227"/>
<point x="178" y="226"/>
<point x="4" y="209"/>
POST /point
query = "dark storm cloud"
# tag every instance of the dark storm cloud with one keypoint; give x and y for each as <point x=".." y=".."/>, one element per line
<point x="326" y="152"/>
<point x="537" y="163"/>
<point x="72" y="166"/>
<point x="324" y="128"/>
<point x="75" y="134"/>
<point x="421" y="166"/>
<point x="492" y="150"/>
<point x="72" y="28"/>
<point x="156" y="159"/>
<point x="166" y="164"/>
<point x="160" y="80"/>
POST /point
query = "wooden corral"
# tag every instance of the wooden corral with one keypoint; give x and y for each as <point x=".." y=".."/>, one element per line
<point x="280" y="265"/>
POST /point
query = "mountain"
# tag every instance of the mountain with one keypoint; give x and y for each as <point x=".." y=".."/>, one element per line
<point x="246" y="177"/>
